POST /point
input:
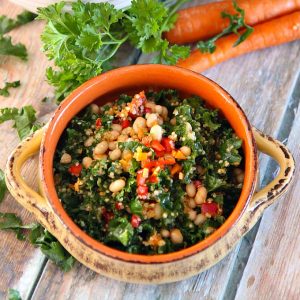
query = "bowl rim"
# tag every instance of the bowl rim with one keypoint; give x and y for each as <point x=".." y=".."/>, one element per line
<point x="46" y="174"/>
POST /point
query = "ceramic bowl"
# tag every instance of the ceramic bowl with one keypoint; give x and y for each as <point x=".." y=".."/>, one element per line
<point x="145" y="268"/>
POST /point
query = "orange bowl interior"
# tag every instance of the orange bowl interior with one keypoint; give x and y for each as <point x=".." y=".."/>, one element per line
<point x="102" y="89"/>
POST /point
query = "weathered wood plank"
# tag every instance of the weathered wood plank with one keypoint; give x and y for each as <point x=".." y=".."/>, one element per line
<point x="273" y="269"/>
<point x="20" y="263"/>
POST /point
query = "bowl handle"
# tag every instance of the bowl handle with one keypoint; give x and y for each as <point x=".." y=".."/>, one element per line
<point x="278" y="186"/>
<point x="26" y="196"/>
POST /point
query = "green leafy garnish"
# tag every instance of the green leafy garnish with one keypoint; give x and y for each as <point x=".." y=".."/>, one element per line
<point x="51" y="247"/>
<point x="237" y="22"/>
<point x="120" y="230"/>
<point x="145" y="22"/>
<point x="81" y="43"/>
<point x="7" y="24"/>
<point x="5" y="91"/>
<point x="13" y="295"/>
<point x="3" y="187"/>
<point x="24" y="119"/>
<point x="7" y="48"/>
<point x="84" y="40"/>
<point x="10" y="221"/>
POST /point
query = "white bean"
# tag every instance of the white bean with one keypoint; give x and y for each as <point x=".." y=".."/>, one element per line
<point x="200" y="219"/>
<point x="192" y="214"/>
<point x="240" y="177"/>
<point x="115" y="154"/>
<point x="117" y="185"/>
<point x="112" y="145"/>
<point x="165" y="233"/>
<point x="101" y="148"/>
<point x="122" y="138"/>
<point x="190" y="190"/>
<point x="158" y="109"/>
<point x="112" y="135"/>
<point x="173" y="121"/>
<point x="66" y="158"/>
<point x="201" y="195"/>
<point x="176" y="236"/>
<point x="87" y="161"/>
<point x="191" y="203"/>
<point x="157" y="211"/>
<point x="139" y="122"/>
<point x="89" y="142"/>
<point x="186" y="150"/>
<point x="156" y="133"/>
<point x="94" y="108"/>
<point x="116" y="127"/>
<point x="152" y="119"/>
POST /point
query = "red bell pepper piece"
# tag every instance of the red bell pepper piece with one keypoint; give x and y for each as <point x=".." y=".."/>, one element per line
<point x="75" y="169"/>
<point x="168" y="144"/>
<point x="157" y="146"/>
<point x="153" y="179"/>
<point x="135" y="221"/>
<point x="140" y="180"/>
<point x="125" y="123"/>
<point x="210" y="208"/>
<point x="98" y="123"/>
<point x="119" y="205"/>
<point x="142" y="190"/>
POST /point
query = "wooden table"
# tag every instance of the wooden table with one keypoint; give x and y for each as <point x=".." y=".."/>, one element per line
<point x="264" y="265"/>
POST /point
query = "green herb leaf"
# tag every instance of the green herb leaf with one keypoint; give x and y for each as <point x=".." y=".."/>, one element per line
<point x="13" y="295"/>
<point x="237" y="22"/>
<point x="145" y="22"/>
<point x="51" y="248"/>
<point x="136" y="207"/>
<point x="82" y="42"/>
<point x="4" y="91"/>
<point x="24" y="119"/>
<point x="10" y="221"/>
<point x="7" y="24"/>
<point x="120" y="230"/>
<point x="7" y="48"/>
<point x="3" y="187"/>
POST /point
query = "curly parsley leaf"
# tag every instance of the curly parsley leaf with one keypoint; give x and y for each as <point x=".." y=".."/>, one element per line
<point x="237" y="22"/>
<point x="24" y="119"/>
<point x="145" y="22"/>
<point x="7" y="48"/>
<point x="3" y="187"/>
<point x="13" y="295"/>
<point x="7" y="24"/>
<point x="5" y="90"/>
<point x="82" y="42"/>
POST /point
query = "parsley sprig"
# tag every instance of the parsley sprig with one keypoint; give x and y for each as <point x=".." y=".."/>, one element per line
<point x="5" y="90"/>
<point x="7" y="24"/>
<point x="83" y="40"/>
<point x="237" y="22"/>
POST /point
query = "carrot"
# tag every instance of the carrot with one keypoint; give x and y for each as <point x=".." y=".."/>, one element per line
<point x="275" y="32"/>
<point x="204" y="21"/>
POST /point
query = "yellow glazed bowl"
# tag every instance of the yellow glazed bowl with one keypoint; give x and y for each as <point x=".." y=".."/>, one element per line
<point x="133" y="267"/>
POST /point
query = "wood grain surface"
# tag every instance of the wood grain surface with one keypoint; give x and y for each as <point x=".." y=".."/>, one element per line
<point x="262" y="83"/>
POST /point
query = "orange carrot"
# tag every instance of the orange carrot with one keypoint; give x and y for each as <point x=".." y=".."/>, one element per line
<point x="204" y="21"/>
<point x="275" y="32"/>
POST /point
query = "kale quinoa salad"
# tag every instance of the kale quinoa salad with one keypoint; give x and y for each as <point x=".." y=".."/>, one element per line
<point x="149" y="174"/>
